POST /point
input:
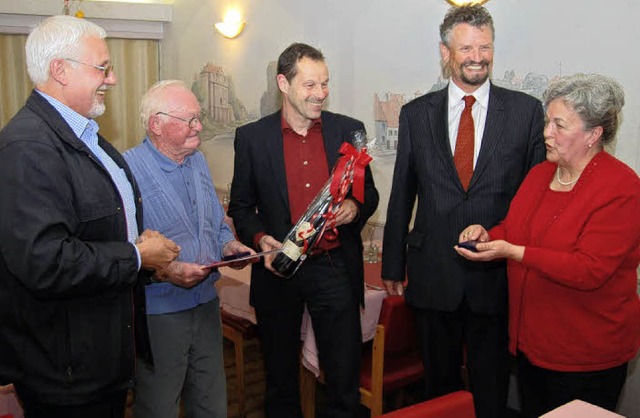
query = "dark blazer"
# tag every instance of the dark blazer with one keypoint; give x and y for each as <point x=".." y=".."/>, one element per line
<point x="68" y="276"/>
<point x="512" y="143"/>
<point x="260" y="203"/>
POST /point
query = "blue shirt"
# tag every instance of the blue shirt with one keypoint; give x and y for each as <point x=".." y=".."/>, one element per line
<point x="87" y="131"/>
<point x="180" y="201"/>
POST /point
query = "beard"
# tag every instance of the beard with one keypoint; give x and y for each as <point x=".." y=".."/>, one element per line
<point x="475" y="79"/>
<point x="97" y="109"/>
<point x="98" y="106"/>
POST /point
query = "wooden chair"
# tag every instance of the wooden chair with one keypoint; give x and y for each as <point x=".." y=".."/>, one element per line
<point x="238" y="330"/>
<point x="453" y="405"/>
<point x="394" y="361"/>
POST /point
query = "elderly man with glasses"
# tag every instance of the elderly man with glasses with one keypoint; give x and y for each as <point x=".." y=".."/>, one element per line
<point x="183" y="309"/>
<point x="71" y="295"/>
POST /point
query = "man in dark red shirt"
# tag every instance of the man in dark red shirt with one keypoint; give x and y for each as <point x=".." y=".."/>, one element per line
<point x="281" y="162"/>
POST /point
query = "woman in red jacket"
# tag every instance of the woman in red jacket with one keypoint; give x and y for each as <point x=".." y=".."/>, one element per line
<point x="572" y="244"/>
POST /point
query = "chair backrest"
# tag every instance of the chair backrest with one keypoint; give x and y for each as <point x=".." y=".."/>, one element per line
<point x="399" y="326"/>
<point x="454" y="405"/>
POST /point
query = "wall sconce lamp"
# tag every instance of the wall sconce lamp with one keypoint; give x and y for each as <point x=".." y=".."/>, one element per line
<point x="459" y="3"/>
<point x="232" y="25"/>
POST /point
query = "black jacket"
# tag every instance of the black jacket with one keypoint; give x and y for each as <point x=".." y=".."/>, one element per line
<point x="424" y="171"/>
<point x="260" y="202"/>
<point x="68" y="276"/>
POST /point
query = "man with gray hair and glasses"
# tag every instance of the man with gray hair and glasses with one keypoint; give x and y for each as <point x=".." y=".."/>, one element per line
<point x="462" y="153"/>
<point x="71" y="252"/>
<point x="183" y="308"/>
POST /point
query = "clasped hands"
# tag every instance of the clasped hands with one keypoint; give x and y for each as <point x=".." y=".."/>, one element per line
<point x="156" y="250"/>
<point x="187" y="275"/>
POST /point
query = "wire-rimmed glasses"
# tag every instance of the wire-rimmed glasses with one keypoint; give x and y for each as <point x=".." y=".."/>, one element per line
<point x="192" y="122"/>
<point x="106" y="69"/>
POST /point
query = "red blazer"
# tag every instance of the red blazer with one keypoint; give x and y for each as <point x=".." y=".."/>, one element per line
<point x="573" y="301"/>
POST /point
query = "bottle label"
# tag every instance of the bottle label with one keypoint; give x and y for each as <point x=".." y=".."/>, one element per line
<point x="305" y="231"/>
<point x="291" y="250"/>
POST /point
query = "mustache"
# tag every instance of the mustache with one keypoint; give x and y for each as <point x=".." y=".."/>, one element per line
<point x="483" y="63"/>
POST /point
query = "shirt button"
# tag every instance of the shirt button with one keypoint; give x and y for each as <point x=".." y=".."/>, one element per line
<point x="307" y="185"/>
<point x="304" y="141"/>
<point x="305" y="162"/>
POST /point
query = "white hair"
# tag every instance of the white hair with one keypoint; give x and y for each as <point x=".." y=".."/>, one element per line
<point x="54" y="38"/>
<point x="152" y="102"/>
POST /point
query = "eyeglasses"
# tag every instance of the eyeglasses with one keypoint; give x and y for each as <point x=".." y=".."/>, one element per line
<point x="106" y="69"/>
<point x="191" y="121"/>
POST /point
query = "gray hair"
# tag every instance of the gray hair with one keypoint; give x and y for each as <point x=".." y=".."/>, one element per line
<point x="152" y="103"/>
<point x="472" y="14"/>
<point x="54" y="38"/>
<point x="596" y="98"/>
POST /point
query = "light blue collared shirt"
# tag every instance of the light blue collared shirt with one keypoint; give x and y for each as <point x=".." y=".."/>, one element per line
<point x="180" y="202"/>
<point x="87" y="131"/>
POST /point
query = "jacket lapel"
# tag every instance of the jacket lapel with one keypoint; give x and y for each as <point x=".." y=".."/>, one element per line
<point x="51" y="117"/>
<point x="274" y="151"/>
<point x="439" y="122"/>
<point x="492" y="133"/>
<point x="331" y="136"/>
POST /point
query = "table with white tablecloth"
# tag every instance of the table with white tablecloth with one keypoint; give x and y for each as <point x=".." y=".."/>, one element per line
<point x="233" y="290"/>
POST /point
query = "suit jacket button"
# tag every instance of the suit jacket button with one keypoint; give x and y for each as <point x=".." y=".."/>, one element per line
<point x="465" y="196"/>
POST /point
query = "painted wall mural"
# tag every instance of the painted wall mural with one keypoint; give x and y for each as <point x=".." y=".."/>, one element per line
<point x="381" y="56"/>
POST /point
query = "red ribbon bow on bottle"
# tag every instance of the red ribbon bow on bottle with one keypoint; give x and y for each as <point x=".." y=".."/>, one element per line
<point x="351" y="159"/>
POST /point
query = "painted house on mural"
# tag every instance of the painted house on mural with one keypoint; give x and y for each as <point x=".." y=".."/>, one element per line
<point x="387" y="118"/>
<point x="270" y="101"/>
<point x="216" y="97"/>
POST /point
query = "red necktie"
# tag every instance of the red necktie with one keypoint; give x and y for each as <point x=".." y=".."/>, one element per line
<point x="463" y="154"/>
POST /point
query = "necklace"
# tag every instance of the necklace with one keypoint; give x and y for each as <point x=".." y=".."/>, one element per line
<point x="565" y="183"/>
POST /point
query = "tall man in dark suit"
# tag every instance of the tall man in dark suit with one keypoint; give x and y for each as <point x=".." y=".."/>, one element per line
<point x="459" y="305"/>
<point x="281" y="162"/>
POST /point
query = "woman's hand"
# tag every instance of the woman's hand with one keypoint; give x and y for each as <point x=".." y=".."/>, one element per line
<point x="492" y="250"/>
<point x="486" y="250"/>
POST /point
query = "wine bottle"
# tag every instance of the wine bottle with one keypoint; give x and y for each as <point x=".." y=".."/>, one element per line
<point x="311" y="225"/>
<point x="304" y="234"/>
